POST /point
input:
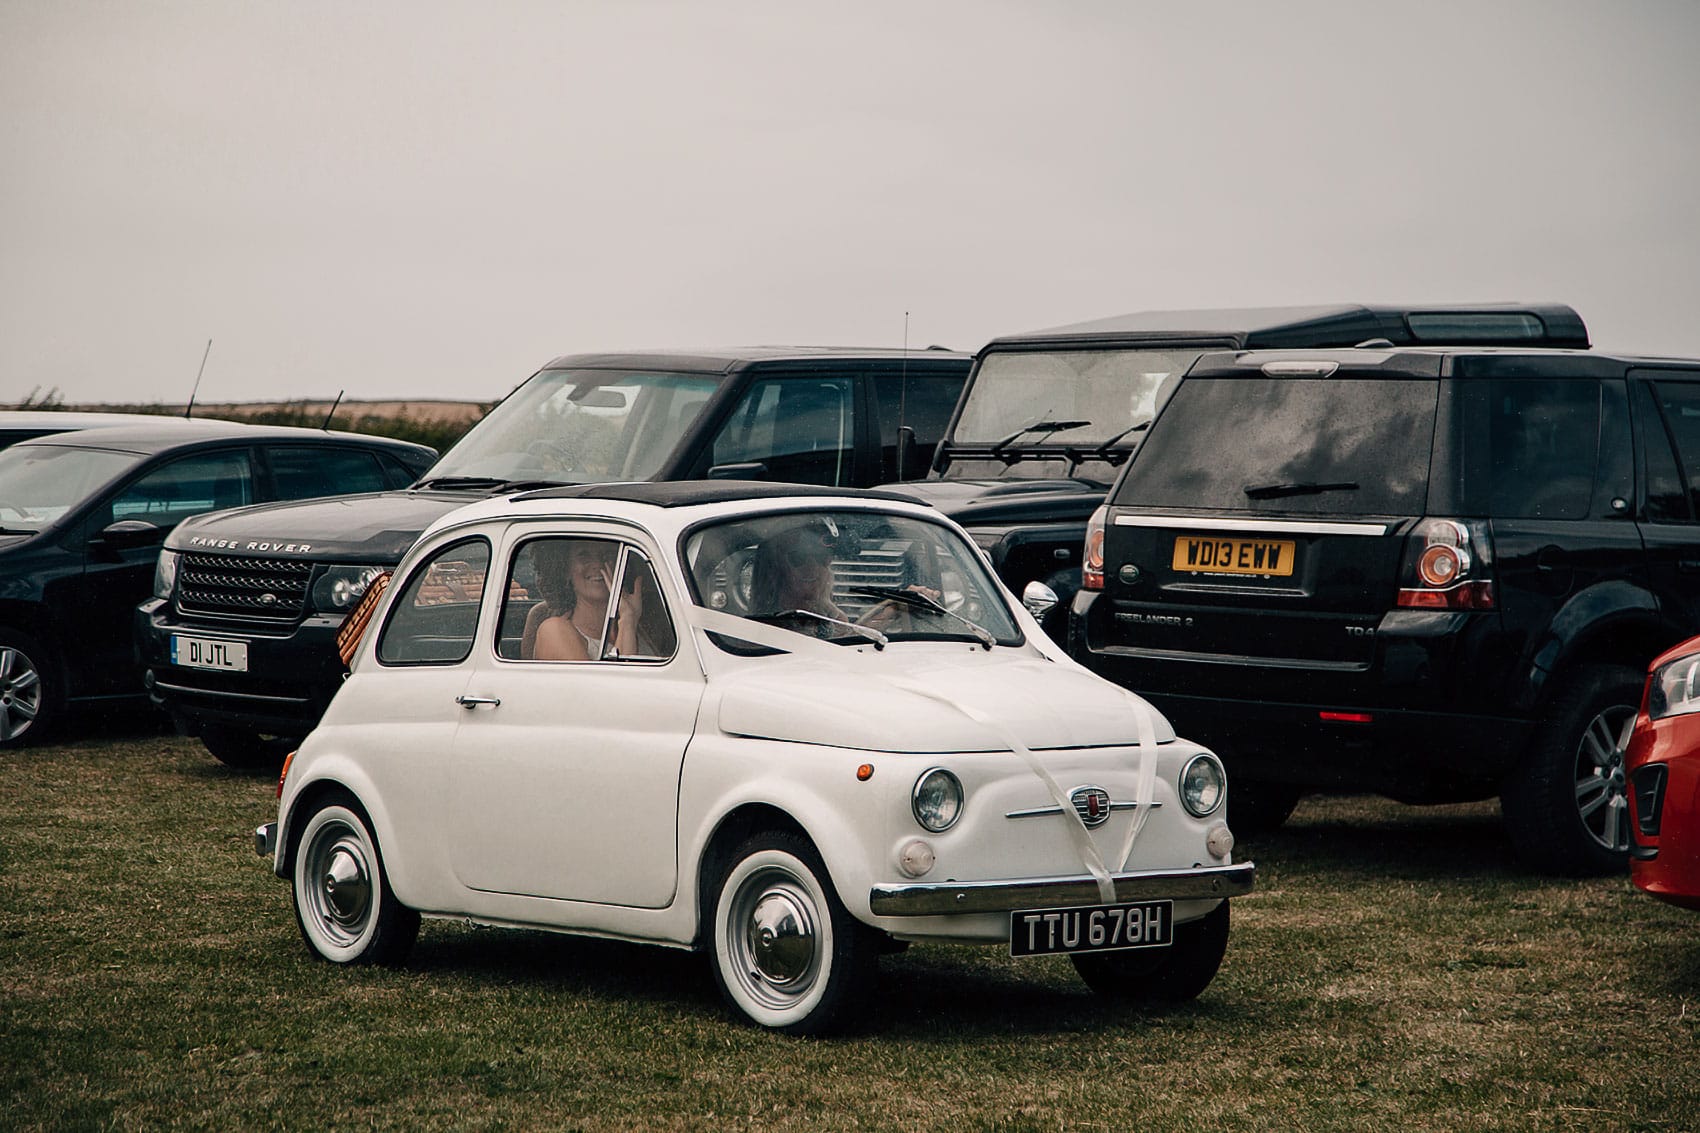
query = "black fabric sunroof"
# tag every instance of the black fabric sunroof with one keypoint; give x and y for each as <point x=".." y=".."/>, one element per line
<point x="684" y="493"/>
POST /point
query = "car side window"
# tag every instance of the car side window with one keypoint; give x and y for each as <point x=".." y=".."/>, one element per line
<point x="188" y="486"/>
<point x="1679" y="405"/>
<point x="556" y="606"/>
<point x="924" y="404"/>
<point x="303" y="471"/>
<point x="802" y="430"/>
<point x="1667" y="494"/>
<point x="1544" y="437"/>
<point x="435" y="619"/>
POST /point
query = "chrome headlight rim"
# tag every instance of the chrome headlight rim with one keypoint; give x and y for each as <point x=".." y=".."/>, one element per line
<point x="916" y="805"/>
<point x="338" y="588"/>
<point x="1205" y="759"/>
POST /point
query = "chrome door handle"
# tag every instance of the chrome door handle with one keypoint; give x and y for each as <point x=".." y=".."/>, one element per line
<point x="470" y="702"/>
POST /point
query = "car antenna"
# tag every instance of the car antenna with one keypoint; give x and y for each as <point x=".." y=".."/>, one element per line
<point x="903" y="400"/>
<point x="332" y="413"/>
<point x="189" y="410"/>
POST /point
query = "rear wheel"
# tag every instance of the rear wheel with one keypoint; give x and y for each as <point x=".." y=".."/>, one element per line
<point x="343" y="903"/>
<point x="787" y="954"/>
<point x="246" y="750"/>
<point x="1161" y="975"/>
<point x="1566" y="804"/>
<point x="29" y="696"/>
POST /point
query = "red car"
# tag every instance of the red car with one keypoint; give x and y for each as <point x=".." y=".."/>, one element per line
<point x="1663" y="767"/>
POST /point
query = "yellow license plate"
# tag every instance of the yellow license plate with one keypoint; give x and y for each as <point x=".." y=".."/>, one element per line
<point x="1199" y="554"/>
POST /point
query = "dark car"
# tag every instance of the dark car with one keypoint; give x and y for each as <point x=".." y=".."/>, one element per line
<point x="81" y="522"/>
<point x="1048" y="418"/>
<point x="240" y="639"/>
<point x="1434" y="574"/>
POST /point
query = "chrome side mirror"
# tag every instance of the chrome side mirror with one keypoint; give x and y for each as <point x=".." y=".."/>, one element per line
<point x="1039" y="599"/>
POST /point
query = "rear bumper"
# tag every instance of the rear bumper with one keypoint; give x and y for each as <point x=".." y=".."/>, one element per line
<point x="1042" y="892"/>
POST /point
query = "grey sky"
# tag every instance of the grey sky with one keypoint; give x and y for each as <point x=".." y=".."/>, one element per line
<point x="429" y="199"/>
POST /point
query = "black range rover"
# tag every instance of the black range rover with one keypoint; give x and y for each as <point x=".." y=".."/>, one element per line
<point x="1049" y="417"/>
<point x="239" y="639"/>
<point x="1434" y="574"/>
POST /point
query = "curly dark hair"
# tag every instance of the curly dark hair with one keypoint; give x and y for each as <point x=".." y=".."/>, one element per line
<point x="551" y="560"/>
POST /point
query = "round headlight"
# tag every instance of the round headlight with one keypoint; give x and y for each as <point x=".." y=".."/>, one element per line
<point x="1203" y="783"/>
<point x="339" y="588"/>
<point x="937" y="800"/>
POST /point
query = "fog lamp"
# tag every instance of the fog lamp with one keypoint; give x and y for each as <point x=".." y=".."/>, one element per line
<point x="1220" y="841"/>
<point x="916" y="858"/>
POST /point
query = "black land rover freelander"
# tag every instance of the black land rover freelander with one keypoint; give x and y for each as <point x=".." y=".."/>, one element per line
<point x="1049" y="417"/>
<point x="1434" y="574"/>
<point x="240" y="637"/>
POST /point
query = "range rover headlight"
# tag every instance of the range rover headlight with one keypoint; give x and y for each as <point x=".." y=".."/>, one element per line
<point x="937" y="800"/>
<point x="165" y="573"/>
<point x="338" y="588"/>
<point x="1203" y="783"/>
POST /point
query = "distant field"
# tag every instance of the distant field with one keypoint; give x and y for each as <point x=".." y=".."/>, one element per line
<point x="1394" y="970"/>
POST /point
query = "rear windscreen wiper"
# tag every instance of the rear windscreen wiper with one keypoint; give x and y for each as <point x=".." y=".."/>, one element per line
<point x="1303" y="488"/>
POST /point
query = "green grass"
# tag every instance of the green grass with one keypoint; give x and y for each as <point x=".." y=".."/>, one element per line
<point x="1394" y="970"/>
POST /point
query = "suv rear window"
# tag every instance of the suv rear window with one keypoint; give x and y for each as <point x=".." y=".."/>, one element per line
<point x="1262" y="444"/>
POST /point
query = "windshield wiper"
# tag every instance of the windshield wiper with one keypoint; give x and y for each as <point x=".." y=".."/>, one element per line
<point x="1303" y="488"/>
<point x="17" y="531"/>
<point x="529" y="485"/>
<point x="1102" y="450"/>
<point x="920" y="601"/>
<point x="453" y="483"/>
<point x="1044" y="427"/>
<point x="879" y="639"/>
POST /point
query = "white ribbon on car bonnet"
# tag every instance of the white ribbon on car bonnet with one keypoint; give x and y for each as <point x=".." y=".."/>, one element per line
<point x="864" y="663"/>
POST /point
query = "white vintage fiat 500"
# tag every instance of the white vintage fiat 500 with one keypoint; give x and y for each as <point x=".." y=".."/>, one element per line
<point x="787" y="726"/>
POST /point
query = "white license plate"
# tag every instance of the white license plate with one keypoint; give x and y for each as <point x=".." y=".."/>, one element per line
<point x="219" y="653"/>
<point x="1091" y="928"/>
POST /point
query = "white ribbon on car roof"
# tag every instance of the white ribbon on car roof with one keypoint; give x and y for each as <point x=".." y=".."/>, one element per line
<point x="864" y="662"/>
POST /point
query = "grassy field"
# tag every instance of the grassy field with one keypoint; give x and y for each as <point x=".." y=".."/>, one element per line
<point x="1394" y="970"/>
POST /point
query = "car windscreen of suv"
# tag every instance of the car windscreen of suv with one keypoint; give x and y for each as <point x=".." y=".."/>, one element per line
<point x="1294" y="445"/>
<point x="580" y="427"/>
<point x="1082" y="398"/>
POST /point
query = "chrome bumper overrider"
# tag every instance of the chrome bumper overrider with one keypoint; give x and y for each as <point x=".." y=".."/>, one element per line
<point x="1043" y="892"/>
<point x="265" y="840"/>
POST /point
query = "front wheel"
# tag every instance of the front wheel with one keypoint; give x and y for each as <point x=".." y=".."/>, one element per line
<point x="29" y="702"/>
<point x="1161" y="975"/>
<point x="787" y="954"/>
<point x="343" y="903"/>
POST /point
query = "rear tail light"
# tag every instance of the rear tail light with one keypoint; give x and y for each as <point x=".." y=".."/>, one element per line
<point x="1448" y="566"/>
<point x="1092" y="557"/>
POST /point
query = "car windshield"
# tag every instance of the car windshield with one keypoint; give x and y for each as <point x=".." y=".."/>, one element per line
<point x="579" y="427"/>
<point x="41" y="482"/>
<point x="849" y="576"/>
<point x="1078" y="398"/>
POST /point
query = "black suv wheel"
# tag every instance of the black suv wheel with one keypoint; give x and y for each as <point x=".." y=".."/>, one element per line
<point x="1566" y="804"/>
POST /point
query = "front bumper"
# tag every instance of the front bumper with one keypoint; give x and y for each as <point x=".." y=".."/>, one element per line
<point x="931" y="900"/>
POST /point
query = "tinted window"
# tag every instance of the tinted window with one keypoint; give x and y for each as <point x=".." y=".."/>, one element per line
<point x="1340" y="445"/>
<point x="303" y="471"/>
<point x="187" y="486"/>
<point x="1544" y="439"/>
<point x="437" y="615"/>
<point x="1680" y="406"/>
<point x="802" y="430"/>
<point x="922" y="403"/>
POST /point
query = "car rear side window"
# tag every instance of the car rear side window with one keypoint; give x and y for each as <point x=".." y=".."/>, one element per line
<point x="1356" y="446"/>
<point x="1544" y="440"/>
<point x="302" y="472"/>
<point x="1673" y="490"/>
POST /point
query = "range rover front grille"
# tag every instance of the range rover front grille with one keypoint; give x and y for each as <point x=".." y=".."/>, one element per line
<point x="238" y="586"/>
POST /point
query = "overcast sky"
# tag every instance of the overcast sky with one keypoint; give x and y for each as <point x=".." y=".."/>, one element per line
<point x="430" y="199"/>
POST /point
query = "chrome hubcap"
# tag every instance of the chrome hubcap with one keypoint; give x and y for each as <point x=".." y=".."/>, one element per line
<point x="347" y="888"/>
<point x="775" y="938"/>
<point x="1602" y="798"/>
<point x="20" y="693"/>
<point x="338" y="883"/>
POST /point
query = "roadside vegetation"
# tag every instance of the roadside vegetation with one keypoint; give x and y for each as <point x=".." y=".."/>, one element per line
<point x="1394" y="970"/>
